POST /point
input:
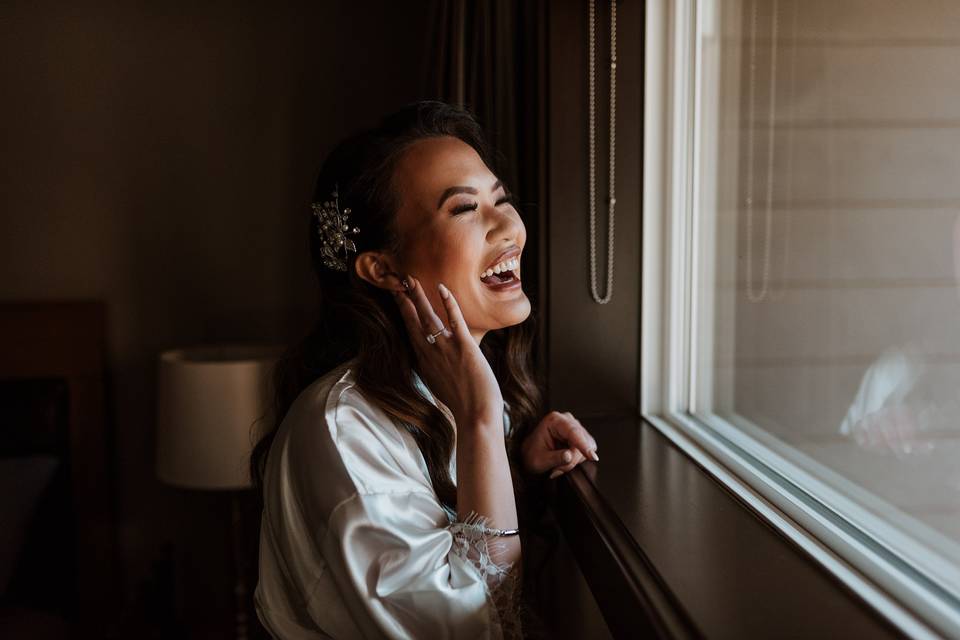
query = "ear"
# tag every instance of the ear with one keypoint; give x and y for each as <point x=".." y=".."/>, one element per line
<point x="377" y="268"/>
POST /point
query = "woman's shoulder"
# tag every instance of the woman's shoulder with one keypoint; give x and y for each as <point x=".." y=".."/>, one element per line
<point x="333" y="421"/>
<point x="315" y="395"/>
<point x="330" y="404"/>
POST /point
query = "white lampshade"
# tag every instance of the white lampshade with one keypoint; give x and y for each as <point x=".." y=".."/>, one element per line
<point x="208" y="400"/>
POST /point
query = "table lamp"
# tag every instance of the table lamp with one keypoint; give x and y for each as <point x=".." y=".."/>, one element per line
<point x="209" y="399"/>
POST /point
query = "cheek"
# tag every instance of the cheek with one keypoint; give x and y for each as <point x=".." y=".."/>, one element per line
<point x="452" y="263"/>
<point x="457" y="253"/>
<point x="523" y="230"/>
<point x="439" y="252"/>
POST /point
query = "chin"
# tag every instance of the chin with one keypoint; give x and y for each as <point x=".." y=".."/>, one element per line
<point x="520" y="313"/>
<point x="503" y="311"/>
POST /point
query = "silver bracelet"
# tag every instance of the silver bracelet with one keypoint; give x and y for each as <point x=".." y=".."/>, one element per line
<point x="476" y="521"/>
<point x="503" y="532"/>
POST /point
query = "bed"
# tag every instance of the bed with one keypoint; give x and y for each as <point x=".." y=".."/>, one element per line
<point x="57" y="544"/>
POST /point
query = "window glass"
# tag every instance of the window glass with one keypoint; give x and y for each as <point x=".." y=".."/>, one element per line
<point x="827" y="246"/>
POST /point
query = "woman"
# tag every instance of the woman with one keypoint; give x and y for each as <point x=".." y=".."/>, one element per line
<point x="909" y="397"/>
<point x="389" y="502"/>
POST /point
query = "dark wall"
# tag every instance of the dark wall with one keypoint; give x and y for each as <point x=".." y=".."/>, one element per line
<point x="160" y="156"/>
<point x="593" y="349"/>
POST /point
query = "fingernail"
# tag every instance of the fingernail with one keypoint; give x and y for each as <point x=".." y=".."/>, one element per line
<point x="555" y="473"/>
<point x="443" y="291"/>
<point x="567" y="456"/>
<point x="593" y="454"/>
<point x="413" y="283"/>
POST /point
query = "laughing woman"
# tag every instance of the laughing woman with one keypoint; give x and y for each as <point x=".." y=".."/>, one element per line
<point x="409" y="414"/>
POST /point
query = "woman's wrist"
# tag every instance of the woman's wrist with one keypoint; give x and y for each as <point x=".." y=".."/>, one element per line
<point x="490" y="425"/>
<point x="484" y="480"/>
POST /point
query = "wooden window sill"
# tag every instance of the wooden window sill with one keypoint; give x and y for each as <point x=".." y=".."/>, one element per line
<point x="669" y="552"/>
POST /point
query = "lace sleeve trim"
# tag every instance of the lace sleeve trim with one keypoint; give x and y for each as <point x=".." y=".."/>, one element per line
<point x="483" y="551"/>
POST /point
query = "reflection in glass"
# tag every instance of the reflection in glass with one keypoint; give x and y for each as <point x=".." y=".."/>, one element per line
<point x="829" y="246"/>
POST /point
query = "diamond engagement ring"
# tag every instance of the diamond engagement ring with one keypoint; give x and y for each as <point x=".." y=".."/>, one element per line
<point x="432" y="338"/>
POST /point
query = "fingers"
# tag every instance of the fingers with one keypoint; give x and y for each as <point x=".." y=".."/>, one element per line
<point x="409" y="313"/>
<point x="428" y="317"/>
<point x="580" y="444"/>
<point x="567" y="460"/>
<point x="568" y="429"/>
<point x="890" y="431"/>
<point x="892" y="438"/>
<point x="906" y="432"/>
<point x="558" y="458"/>
<point x="454" y="316"/>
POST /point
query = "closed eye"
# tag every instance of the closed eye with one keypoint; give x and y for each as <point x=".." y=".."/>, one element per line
<point x="463" y="208"/>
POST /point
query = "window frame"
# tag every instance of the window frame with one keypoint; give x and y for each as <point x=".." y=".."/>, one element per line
<point x="782" y="489"/>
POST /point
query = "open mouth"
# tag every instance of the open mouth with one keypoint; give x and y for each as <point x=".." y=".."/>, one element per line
<point x="499" y="278"/>
<point x="503" y="275"/>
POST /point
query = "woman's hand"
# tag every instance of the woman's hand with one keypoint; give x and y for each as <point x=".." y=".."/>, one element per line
<point x="891" y="430"/>
<point x="454" y="368"/>
<point x="558" y="442"/>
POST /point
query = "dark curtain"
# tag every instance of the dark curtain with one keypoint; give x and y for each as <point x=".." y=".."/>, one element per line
<point x="490" y="56"/>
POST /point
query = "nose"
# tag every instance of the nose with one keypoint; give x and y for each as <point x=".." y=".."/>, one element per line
<point x="504" y="224"/>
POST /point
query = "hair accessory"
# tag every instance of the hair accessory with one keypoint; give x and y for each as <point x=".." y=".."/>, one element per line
<point x="333" y="229"/>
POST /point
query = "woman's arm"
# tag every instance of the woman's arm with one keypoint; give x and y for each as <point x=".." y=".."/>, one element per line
<point x="460" y="377"/>
<point x="484" y="483"/>
<point x="485" y="494"/>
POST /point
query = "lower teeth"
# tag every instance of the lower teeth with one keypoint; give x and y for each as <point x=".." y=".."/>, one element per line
<point x="498" y="278"/>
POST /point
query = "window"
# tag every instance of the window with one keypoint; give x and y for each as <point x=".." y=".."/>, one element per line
<point x="801" y="303"/>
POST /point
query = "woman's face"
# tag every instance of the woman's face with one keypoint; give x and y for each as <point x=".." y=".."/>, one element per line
<point x="454" y="235"/>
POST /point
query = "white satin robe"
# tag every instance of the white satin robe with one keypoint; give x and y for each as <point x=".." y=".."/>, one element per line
<point x="354" y="542"/>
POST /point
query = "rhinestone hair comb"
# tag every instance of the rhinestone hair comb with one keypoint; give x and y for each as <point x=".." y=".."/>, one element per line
<point x="333" y="228"/>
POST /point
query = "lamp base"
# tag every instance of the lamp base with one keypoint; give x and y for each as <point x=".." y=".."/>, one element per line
<point x="240" y="584"/>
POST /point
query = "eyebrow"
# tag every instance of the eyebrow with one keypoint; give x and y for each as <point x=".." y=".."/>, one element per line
<point x="451" y="191"/>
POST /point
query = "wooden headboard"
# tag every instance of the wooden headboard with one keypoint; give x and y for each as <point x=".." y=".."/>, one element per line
<point x="66" y="340"/>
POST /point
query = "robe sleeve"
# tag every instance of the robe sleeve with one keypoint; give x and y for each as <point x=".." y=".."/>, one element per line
<point x="885" y="384"/>
<point x="403" y="568"/>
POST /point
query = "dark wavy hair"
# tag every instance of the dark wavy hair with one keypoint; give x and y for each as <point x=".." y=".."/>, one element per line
<point x="362" y="321"/>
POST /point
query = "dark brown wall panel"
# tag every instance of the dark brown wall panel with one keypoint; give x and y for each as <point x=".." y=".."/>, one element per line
<point x="593" y="349"/>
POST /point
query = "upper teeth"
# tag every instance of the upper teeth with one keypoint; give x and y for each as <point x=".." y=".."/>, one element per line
<point x="506" y="265"/>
